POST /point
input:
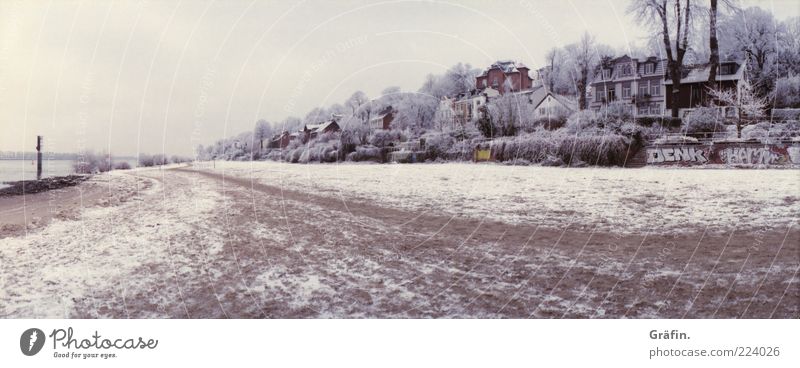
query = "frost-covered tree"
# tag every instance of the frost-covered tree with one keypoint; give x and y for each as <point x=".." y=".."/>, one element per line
<point x="316" y="115"/>
<point x="509" y="113"/>
<point x="582" y="59"/>
<point x="787" y="92"/>
<point x="415" y="111"/>
<point x="788" y="58"/>
<point x="751" y="35"/>
<point x="262" y="132"/>
<point x="748" y="102"/>
<point x="355" y="101"/>
<point x="290" y="124"/>
<point x="390" y="96"/>
<point x="460" y="78"/>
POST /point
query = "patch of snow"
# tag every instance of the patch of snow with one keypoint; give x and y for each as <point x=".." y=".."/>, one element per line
<point x="626" y="200"/>
<point x="49" y="271"/>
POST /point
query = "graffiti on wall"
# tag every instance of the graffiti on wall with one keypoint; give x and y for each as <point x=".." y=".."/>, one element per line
<point x="751" y="156"/>
<point x="735" y="154"/>
<point x="677" y="154"/>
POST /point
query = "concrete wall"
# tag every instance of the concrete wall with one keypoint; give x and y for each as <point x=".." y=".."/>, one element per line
<point x="737" y="154"/>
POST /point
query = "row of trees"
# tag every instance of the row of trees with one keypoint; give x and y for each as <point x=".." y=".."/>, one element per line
<point x="414" y="111"/>
<point x="683" y="32"/>
<point x="688" y="32"/>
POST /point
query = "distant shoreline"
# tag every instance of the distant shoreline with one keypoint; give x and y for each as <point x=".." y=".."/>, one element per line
<point x="36" y="186"/>
<point x="45" y="157"/>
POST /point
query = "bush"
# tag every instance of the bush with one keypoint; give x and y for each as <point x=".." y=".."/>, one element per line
<point x="385" y="138"/>
<point x="787" y="92"/>
<point x="438" y="145"/>
<point x="152" y="160"/>
<point x="582" y="121"/>
<point x="179" y="159"/>
<point x="665" y="121"/>
<point x="617" y="111"/>
<point x="781" y="115"/>
<point x="558" y="148"/>
<point x="553" y="123"/>
<point x="89" y="162"/>
<point x="703" y="121"/>
<point x="327" y="151"/>
<point x="122" y="166"/>
<point x="366" y="153"/>
<point x="766" y="132"/>
<point x="463" y="150"/>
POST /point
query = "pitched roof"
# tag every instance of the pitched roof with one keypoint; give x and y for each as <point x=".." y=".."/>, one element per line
<point x="659" y="66"/>
<point x="538" y="96"/>
<point x="699" y="73"/>
<point x="507" y="66"/>
<point x="320" y="127"/>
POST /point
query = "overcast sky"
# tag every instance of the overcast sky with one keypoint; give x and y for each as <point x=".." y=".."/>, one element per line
<point x="153" y="76"/>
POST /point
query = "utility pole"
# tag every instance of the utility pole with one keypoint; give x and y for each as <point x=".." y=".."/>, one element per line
<point x="39" y="141"/>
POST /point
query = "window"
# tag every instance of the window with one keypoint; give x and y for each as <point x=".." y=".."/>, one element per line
<point x="643" y="110"/>
<point x="655" y="108"/>
<point x="649" y="68"/>
<point x="726" y="69"/>
<point x="697" y="97"/>
<point x="626" y="92"/>
<point x="612" y="95"/>
<point x="494" y="82"/>
<point x="606" y="73"/>
<point x="655" y="89"/>
<point x="642" y="89"/>
<point x="627" y="70"/>
<point x="599" y="94"/>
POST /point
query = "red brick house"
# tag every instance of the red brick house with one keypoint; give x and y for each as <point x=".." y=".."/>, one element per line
<point x="502" y="72"/>
<point x="383" y="120"/>
<point x="280" y="140"/>
<point x="693" y="91"/>
<point x="311" y="131"/>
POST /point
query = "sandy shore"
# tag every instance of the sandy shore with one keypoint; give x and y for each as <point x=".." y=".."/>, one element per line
<point x="203" y="243"/>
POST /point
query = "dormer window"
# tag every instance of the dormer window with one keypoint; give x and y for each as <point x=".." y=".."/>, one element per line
<point x="606" y="73"/>
<point x="649" y="68"/>
<point x="726" y="69"/>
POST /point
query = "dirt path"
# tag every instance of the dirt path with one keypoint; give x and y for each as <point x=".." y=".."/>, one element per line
<point x="201" y="245"/>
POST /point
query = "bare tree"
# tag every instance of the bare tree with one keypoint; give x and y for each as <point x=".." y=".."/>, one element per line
<point x="713" y="39"/>
<point x="553" y="59"/>
<point x="713" y="43"/>
<point x="657" y="12"/>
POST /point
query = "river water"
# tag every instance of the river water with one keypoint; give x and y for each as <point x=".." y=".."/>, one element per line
<point x="14" y="170"/>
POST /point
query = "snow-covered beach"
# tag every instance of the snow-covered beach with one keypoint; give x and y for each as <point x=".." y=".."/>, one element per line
<point x="610" y="199"/>
<point x="265" y="239"/>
